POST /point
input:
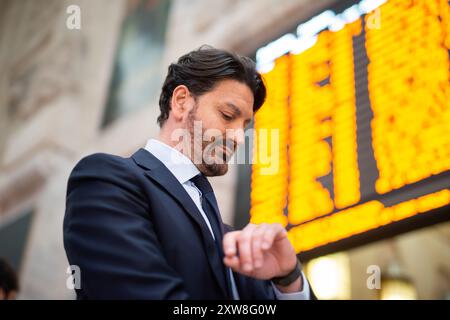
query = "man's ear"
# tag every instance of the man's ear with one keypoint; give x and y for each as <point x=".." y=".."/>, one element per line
<point x="181" y="103"/>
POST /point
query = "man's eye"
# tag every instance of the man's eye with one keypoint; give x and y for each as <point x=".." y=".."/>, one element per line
<point x="226" y="117"/>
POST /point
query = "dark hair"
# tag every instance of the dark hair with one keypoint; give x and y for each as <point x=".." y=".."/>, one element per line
<point x="8" y="278"/>
<point x="202" y="69"/>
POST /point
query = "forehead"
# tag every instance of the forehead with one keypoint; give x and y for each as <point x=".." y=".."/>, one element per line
<point x="232" y="92"/>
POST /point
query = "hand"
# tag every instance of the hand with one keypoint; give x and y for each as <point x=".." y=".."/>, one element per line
<point x="261" y="251"/>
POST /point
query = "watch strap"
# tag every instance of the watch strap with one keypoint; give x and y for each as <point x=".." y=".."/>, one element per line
<point x="290" y="277"/>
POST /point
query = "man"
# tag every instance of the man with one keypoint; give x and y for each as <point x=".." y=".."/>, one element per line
<point x="149" y="227"/>
<point x="9" y="284"/>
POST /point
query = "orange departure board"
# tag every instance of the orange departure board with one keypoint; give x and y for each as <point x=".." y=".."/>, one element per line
<point x="353" y="141"/>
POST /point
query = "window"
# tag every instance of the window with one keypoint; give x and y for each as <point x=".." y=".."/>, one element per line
<point x="13" y="237"/>
<point x="137" y="77"/>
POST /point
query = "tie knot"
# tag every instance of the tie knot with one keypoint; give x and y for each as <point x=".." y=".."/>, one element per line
<point x="202" y="183"/>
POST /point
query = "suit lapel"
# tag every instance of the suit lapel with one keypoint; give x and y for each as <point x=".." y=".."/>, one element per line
<point x="159" y="173"/>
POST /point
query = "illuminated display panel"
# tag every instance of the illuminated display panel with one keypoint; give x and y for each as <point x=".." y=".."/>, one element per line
<point x="363" y="120"/>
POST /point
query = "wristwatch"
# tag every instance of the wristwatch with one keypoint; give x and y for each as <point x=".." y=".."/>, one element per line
<point x="290" y="277"/>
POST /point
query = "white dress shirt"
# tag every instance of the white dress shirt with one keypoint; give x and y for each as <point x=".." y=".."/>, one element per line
<point x="183" y="169"/>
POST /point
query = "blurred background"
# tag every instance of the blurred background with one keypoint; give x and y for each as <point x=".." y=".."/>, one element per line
<point x="358" y="92"/>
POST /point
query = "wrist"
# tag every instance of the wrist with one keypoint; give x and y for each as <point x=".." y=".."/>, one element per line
<point x="289" y="279"/>
<point x="296" y="286"/>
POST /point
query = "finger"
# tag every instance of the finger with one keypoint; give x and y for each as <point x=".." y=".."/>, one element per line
<point x="232" y="262"/>
<point x="229" y="243"/>
<point x="257" y="240"/>
<point x="273" y="230"/>
<point x="245" y="248"/>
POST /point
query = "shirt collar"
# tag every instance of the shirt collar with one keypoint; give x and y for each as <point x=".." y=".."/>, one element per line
<point x="178" y="164"/>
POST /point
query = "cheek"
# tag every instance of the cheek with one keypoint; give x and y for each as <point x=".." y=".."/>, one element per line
<point x="212" y="120"/>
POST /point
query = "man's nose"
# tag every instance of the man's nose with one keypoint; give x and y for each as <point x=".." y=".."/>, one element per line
<point x="239" y="136"/>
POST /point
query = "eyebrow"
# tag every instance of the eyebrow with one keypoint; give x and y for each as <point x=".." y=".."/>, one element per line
<point x="237" y="111"/>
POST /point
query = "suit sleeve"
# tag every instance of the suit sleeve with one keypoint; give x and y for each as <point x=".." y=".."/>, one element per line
<point x="109" y="236"/>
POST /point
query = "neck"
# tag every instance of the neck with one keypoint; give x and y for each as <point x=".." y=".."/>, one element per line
<point x="164" y="137"/>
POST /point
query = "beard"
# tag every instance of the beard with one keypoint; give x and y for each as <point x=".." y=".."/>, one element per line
<point x="209" y="156"/>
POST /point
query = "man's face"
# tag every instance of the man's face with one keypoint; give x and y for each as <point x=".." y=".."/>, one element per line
<point x="216" y="125"/>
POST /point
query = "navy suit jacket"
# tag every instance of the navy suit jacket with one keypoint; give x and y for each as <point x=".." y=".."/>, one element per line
<point x="135" y="233"/>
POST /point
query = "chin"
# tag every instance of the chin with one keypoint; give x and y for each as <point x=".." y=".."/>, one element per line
<point x="212" y="170"/>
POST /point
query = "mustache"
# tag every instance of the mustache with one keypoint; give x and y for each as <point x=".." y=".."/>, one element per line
<point x="226" y="144"/>
<point x="222" y="148"/>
